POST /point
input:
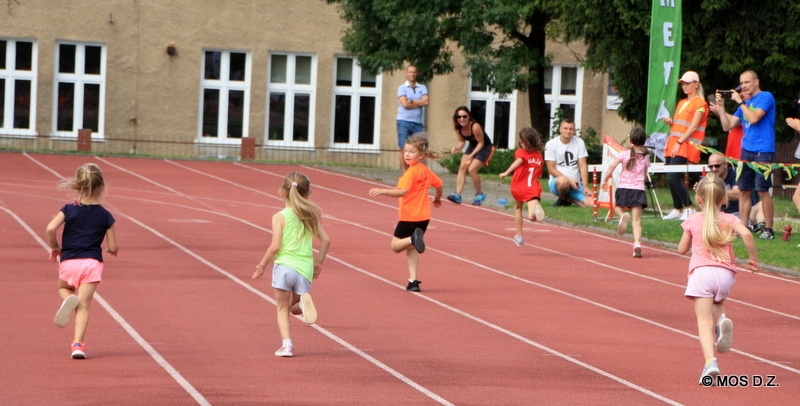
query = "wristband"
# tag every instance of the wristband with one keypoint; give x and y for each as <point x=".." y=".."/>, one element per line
<point x="680" y="142"/>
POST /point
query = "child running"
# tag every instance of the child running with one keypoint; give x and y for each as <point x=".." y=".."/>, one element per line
<point x="80" y="256"/>
<point x="415" y="210"/>
<point x="712" y="269"/>
<point x="525" y="185"/>
<point x="293" y="230"/>
<point x="630" y="192"/>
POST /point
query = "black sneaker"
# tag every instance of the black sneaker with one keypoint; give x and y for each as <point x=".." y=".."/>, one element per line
<point x="562" y="203"/>
<point x="757" y="228"/>
<point x="413" y="286"/>
<point x="416" y="240"/>
<point x="767" y="234"/>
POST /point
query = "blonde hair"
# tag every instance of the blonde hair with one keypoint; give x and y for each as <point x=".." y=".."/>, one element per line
<point x="88" y="182"/>
<point x="295" y="190"/>
<point x="420" y="142"/>
<point x="711" y="192"/>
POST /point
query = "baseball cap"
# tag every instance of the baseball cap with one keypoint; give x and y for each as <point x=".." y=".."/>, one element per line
<point x="689" y="77"/>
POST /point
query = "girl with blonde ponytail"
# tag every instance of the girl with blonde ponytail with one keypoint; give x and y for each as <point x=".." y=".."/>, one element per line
<point x="712" y="268"/>
<point x="295" y="267"/>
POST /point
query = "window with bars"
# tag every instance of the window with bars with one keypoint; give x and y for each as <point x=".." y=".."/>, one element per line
<point x="225" y="95"/>
<point x="80" y="88"/>
<point x="356" y="106"/>
<point x="17" y="86"/>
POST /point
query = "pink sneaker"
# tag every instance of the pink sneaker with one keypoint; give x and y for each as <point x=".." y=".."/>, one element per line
<point x="78" y="350"/>
<point x="286" y="351"/>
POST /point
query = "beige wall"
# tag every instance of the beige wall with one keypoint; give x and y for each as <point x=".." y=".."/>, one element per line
<point x="150" y="95"/>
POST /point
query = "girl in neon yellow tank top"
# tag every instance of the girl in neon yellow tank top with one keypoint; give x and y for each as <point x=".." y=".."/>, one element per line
<point x="295" y="267"/>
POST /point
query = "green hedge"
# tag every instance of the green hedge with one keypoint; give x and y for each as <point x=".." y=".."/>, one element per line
<point x="501" y="160"/>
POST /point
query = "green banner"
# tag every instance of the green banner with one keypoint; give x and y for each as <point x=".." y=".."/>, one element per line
<point x="665" y="64"/>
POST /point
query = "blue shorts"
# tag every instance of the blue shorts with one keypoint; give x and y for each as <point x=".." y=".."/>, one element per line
<point x="406" y="129"/>
<point x="286" y="278"/>
<point x="749" y="180"/>
<point x="576" y="195"/>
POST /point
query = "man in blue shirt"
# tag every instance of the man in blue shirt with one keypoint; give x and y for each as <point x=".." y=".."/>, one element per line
<point x="411" y="97"/>
<point x="757" y="117"/>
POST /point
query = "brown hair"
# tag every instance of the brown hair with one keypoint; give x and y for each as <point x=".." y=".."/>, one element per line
<point x="638" y="137"/>
<point x="88" y="182"/>
<point x="530" y="139"/>
<point x="420" y="142"/>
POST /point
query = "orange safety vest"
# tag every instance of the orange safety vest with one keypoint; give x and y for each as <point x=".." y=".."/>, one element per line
<point x="684" y="114"/>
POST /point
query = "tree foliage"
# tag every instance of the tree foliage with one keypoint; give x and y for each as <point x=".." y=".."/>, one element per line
<point x="721" y="39"/>
<point x="503" y="43"/>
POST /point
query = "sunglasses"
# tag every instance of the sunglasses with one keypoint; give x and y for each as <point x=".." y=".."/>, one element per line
<point x="462" y="116"/>
<point x="714" y="166"/>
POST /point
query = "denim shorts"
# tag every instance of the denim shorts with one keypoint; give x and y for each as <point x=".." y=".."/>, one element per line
<point x="749" y="180"/>
<point x="406" y="129"/>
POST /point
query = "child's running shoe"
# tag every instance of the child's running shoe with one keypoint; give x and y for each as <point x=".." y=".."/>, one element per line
<point x="413" y="286"/>
<point x="416" y="240"/>
<point x="78" y="350"/>
<point x="637" y="250"/>
<point x="538" y="212"/>
<point x="65" y="311"/>
<point x="308" y="308"/>
<point x="455" y="198"/>
<point x="519" y="240"/>
<point x="622" y="227"/>
<point x="711" y="369"/>
<point x="479" y="198"/>
<point x="724" y="334"/>
<point x="285" y="351"/>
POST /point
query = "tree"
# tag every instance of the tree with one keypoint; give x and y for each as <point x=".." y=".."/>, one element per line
<point x="503" y="41"/>
<point x="721" y="39"/>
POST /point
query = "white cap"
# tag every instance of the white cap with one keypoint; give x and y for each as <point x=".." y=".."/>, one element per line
<point x="689" y="77"/>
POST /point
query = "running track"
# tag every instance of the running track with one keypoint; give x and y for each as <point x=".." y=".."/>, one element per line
<point x="568" y="319"/>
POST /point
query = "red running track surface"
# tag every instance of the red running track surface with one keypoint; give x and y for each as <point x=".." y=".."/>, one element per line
<point x="568" y="319"/>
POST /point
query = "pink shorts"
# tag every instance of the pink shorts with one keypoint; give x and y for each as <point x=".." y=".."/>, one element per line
<point x="710" y="281"/>
<point x="78" y="271"/>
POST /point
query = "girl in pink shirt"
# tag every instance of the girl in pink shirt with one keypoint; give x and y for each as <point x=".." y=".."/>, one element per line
<point x="630" y="192"/>
<point x="712" y="268"/>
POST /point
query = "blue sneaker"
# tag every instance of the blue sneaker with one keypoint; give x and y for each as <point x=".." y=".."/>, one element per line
<point x="479" y="198"/>
<point x="455" y="198"/>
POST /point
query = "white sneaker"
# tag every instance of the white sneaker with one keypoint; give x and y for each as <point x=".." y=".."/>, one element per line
<point x="622" y="227"/>
<point x="673" y="215"/>
<point x="724" y="334"/>
<point x="308" y="308"/>
<point x="519" y="241"/>
<point x="686" y="213"/>
<point x="65" y="311"/>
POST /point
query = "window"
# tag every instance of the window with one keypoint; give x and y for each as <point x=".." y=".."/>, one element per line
<point x="17" y="86"/>
<point x="494" y="113"/>
<point x="564" y="89"/>
<point x="356" y="106"/>
<point x="225" y="88"/>
<point x="80" y="88"/>
<point x="291" y="99"/>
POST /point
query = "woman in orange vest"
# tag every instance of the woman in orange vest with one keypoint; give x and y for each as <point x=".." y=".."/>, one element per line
<point x="689" y="126"/>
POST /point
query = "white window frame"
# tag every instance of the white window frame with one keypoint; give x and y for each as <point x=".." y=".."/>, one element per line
<point x="10" y="74"/>
<point x="79" y="79"/>
<point x="555" y="98"/>
<point x="489" y="126"/>
<point x="356" y="92"/>
<point x="225" y="85"/>
<point x="291" y="89"/>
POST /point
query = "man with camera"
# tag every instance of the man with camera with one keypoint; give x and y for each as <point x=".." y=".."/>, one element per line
<point x="757" y="118"/>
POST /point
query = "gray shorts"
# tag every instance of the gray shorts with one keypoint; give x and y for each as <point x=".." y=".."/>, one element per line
<point x="286" y="278"/>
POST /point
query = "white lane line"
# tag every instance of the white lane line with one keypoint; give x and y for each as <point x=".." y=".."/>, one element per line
<point x="200" y="399"/>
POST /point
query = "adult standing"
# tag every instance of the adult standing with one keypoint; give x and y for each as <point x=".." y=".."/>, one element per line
<point x="566" y="157"/>
<point x="411" y="98"/>
<point x="795" y="124"/>
<point x="689" y="125"/>
<point x="757" y="118"/>
<point x="478" y="154"/>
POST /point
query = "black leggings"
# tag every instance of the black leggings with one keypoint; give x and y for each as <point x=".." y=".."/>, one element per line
<point x="680" y="195"/>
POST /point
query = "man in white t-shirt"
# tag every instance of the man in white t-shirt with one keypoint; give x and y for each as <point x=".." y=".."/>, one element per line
<point x="565" y="156"/>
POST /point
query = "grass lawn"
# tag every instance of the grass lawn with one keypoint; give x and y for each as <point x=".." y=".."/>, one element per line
<point x="772" y="252"/>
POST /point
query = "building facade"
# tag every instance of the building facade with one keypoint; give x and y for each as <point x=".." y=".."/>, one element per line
<point x="193" y="78"/>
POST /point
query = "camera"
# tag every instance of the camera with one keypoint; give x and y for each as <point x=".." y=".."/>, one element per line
<point x="726" y="94"/>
